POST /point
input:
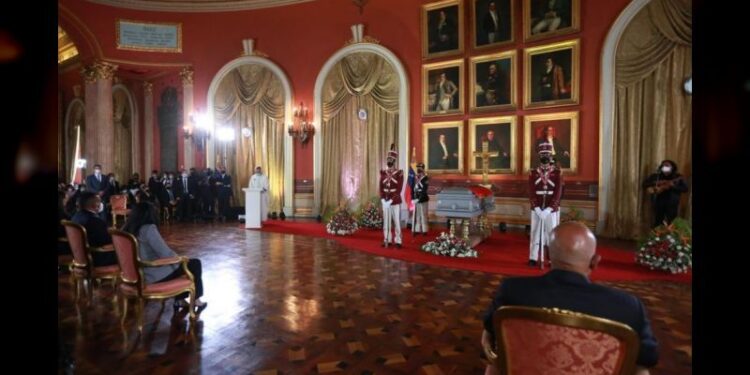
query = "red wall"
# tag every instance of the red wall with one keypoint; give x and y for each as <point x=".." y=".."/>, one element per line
<point x="300" y="38"/>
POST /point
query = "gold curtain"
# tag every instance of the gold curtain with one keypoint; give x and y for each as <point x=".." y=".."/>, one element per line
<point x="251" y="96"/>
<point x="123" y="152"/>
<point x="354" y="151"/>
<point x="652" y="114"/>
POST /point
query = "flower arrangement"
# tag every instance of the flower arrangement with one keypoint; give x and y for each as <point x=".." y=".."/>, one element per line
<point x="449" y="245"/>
<point x="342" y="223"/>
<point x="668" y="248"/>
<point x="370" y="216"/>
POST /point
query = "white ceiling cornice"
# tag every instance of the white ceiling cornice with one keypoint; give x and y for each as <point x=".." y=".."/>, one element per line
<point x="197" y="6"/>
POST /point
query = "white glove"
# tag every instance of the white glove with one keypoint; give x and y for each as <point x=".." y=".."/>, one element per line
<point x="547" y="211"/>
<point x="538" y="212"/>
<point x="385" y="203"/>
<point x="390" y="202"/>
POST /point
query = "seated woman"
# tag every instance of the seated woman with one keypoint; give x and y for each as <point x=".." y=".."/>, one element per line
<point x="141" y="223"/>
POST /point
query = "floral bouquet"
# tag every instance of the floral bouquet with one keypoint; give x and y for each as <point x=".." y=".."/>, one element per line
<point x="370" y="216"/>
<point x="449" y="245"/>
<point x="668" y="248"/>
<point x="342" y="223"/>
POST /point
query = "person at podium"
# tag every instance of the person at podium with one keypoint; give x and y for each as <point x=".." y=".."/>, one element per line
<point x="260" y="181"/>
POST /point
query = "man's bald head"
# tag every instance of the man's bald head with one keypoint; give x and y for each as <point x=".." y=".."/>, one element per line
<point x="572" y="247"/>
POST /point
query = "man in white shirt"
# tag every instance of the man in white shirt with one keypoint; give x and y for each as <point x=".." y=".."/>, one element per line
<point x="260" y="181"/>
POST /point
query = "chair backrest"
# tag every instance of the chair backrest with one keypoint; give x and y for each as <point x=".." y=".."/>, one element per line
<point x="78" y="242"/>
<point x="118" y="202"/>
<point x="126" y="248"/>
<point x="534" y="340"/>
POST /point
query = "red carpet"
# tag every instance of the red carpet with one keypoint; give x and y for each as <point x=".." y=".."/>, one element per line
<point x="503" y="253"/>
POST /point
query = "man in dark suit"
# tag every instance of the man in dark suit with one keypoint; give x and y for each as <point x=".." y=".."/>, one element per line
<point x="96" y="228"/>
<point x="185" y="191"/>
<point x="224" y="192"/>
<point x="97" y="183"/>
<point x="442" y="155"/>
<point x="572" y="250"/>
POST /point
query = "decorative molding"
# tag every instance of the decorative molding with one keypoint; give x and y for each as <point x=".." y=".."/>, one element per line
<point x="99" y="70"/>
<point x="148" y="88"/>
<point x="187" y="76"/>
<point x="303" y="187"/>
<point x="189" y="6"/>
<point x="607" y="104"/>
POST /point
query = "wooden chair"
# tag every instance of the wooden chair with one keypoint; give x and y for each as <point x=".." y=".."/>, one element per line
<point x="119" y="206"/>
<point x="532" y="340"/>
<point x="132" y="281"/>
<point x="82" y="269"/>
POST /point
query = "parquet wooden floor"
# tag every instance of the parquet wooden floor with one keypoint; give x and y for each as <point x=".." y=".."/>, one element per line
<point x="285" y="304"/>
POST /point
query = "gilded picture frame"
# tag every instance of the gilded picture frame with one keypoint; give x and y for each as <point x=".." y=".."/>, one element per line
<point x="551" y="74"/>
<point x="443" y="88"/>
<point x="493" y="94"/>
<point x="545" y="18"/>
<point x="445" y="157"/>
<point x="563" y="135"/>
<point x="442" y="28"/>
<point x="501" y="134"/>
<point x="490" y="31"/>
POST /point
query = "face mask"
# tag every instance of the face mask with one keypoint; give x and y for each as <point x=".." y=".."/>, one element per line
<point x="100" y="208"/>
<point x="184" y="175"/>
<point x="258" y="173"/>
<point x="97" y="171"/>
<point x="544" y="160"/>
<point x="666" y="169"/>
<point x="390" y="163"/>
<point x="420" y="170"/>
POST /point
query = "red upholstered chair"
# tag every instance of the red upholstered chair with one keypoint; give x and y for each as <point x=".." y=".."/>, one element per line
<point x="552" y="341"/>
<point x="82" y="270"/>
<point x="132" y="282"/>
<point x="119" y="206"/>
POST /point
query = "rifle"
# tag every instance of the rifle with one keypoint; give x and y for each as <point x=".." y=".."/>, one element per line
<point x="661" y="186"/>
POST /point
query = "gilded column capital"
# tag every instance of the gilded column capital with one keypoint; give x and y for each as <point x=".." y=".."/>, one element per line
<point x="148" y="87"/>
<point x="187" y="76"/>
<point x="99" y="70"/>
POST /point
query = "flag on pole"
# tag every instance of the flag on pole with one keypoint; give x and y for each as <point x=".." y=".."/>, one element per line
<point x="410" y="181"/>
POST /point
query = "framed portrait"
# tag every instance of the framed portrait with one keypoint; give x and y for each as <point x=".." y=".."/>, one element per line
<point x="493" y="22"/>
<point x="551" y="74"/>
<point x="442" y="28"/>
<point x="493" y="82"/>
<point x="500" y="134"/>
<point x="442" y="88"/>
<point x="545" y="18"/>
<point x="559" y="129"/>
<point x="443" y="147"/>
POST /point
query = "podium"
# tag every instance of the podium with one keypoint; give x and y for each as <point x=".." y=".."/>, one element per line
<point x="252" y="207"/>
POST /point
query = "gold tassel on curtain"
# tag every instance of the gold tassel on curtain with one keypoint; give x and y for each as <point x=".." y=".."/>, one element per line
<point x="652" y="114"/>
<point x="251" y="96"/>
<point x="354" y="150"/>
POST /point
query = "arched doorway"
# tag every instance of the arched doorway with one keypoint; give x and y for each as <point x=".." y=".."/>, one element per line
<point x="252" y="96"/>
<point x="401" y="133"/>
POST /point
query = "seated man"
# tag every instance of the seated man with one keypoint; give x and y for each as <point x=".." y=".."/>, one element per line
<point x="96" y="228"/>
<point x="572" y="250"/>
